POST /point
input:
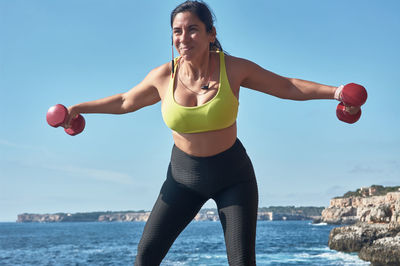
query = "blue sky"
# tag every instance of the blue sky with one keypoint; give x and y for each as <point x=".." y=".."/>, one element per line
<point x="73" y="51"/>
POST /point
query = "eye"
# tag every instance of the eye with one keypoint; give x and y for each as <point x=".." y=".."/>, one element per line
<point x="177" y="31"/>
<point x="193" y="29"/>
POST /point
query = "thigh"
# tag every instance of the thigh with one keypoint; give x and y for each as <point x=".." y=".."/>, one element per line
<point x="237" y="209"/>
<point x="175" y="207"/>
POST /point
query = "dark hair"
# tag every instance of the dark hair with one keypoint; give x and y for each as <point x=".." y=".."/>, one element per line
<point x="203" y="12"/>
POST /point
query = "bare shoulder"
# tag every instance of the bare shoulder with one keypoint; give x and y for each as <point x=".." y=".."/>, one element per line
<point x="238" y="69"/>
<point x="150" y="90"/>
<point x="233" y="61"/>
<point x="253" y="76"/>
<point x="160" y="74"/>
<point x="239" y="66"/>
<point x="237" y="61"/>
<point x="159" y="78"/>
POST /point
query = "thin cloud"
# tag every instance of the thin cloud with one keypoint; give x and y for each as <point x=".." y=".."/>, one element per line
<point x="365" y="169"/>
<point x="391" y="183"/>
<point x="81" y="172"/>
<point x="385" y="168"/>
<point x="6" y="143"/>
<point x="336" y="189"/>
<point x="96" y="174"/>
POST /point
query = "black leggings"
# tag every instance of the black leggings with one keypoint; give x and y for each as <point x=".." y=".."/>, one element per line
<point x="228" y="178"/>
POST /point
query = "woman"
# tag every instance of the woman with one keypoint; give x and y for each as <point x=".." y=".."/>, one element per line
<point x="199" y="92"/>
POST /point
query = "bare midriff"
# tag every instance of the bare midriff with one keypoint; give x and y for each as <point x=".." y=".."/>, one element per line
<point x="206" y="143"/>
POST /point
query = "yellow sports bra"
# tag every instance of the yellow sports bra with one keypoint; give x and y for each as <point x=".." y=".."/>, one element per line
<point x="218" y="113"/>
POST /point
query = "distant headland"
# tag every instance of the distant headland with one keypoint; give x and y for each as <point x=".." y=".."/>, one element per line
<point x="272" y="213"/>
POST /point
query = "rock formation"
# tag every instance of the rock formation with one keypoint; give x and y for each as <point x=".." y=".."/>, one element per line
<point x="375" y="209"/>
<point x="375" y="242"/>
<point x="124" y="217"/>
<point x="375" y="229"/>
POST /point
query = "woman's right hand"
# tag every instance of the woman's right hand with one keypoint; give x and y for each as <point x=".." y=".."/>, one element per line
<point x="72" y="113"/>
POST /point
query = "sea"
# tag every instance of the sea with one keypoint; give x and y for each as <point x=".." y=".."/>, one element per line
<point x="201" y="243"/>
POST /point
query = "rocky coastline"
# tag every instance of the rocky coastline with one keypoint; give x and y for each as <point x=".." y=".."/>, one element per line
<point x="372" y="226"/>
<point x="264" y="214"/>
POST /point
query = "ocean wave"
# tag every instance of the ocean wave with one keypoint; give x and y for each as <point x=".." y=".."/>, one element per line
<point x="312" y="256"/>
<point x="334" y="256"/>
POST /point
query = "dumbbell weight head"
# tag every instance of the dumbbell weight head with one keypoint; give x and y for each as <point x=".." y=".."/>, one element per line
<point x="56" y="115"/>
<point x="77" y="126"/>
<point x="354" y="94"/>
<point x="345" y="116"/>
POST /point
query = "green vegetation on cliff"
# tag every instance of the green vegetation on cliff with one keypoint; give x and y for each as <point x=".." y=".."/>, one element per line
<point x="374" y="190"/>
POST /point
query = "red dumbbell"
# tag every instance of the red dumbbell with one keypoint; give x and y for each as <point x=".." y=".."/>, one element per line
<point x="353" y="95"/>
<point x="56" y="116"/>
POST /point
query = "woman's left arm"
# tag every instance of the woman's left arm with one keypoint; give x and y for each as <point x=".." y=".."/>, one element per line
<point x="257" y="78"/>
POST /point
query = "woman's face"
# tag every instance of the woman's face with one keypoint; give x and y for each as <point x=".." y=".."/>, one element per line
<point x="190" y="36"/>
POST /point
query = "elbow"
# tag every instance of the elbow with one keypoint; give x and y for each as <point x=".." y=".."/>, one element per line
<point x="127" y="104"/>
<point x="294" y="92"/>
<point x="289" y="91"/>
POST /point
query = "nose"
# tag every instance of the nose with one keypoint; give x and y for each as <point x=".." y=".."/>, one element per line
<point x="184" y="36"/>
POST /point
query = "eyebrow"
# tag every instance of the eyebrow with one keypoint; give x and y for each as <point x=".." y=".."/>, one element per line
<point x="190" y="26"/>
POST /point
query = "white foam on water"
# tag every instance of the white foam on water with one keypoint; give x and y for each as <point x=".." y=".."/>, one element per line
<point x="93" y="251"/>
<point x="204" y="259"/>
<point x="324" y="248"/>
<point x="324" y="256"/>
<point x="318" y="249"/>
<point x="345" y="258"/>
<point x="174" y="263"/>
<point x="318" y="224"/>
<point x="277" y="258"/>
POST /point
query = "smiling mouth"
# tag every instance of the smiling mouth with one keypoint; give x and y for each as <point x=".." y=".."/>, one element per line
<point x="185" y="48"/>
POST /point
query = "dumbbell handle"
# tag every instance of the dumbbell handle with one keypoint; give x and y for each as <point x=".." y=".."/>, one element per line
<point x="345" y="116"/>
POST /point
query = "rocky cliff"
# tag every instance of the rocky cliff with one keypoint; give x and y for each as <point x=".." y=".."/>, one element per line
<point x="375" y="229"/>
<point x="124" y="217"/>
<point x="103" y="217"/>
<point x="127" y="216"/>
<point x="374" y="209"/>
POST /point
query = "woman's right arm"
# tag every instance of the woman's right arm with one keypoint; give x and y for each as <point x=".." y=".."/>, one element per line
<point x="144" y="94"/>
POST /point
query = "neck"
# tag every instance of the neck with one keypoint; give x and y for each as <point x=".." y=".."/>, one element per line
<point x="196" y="68"/>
